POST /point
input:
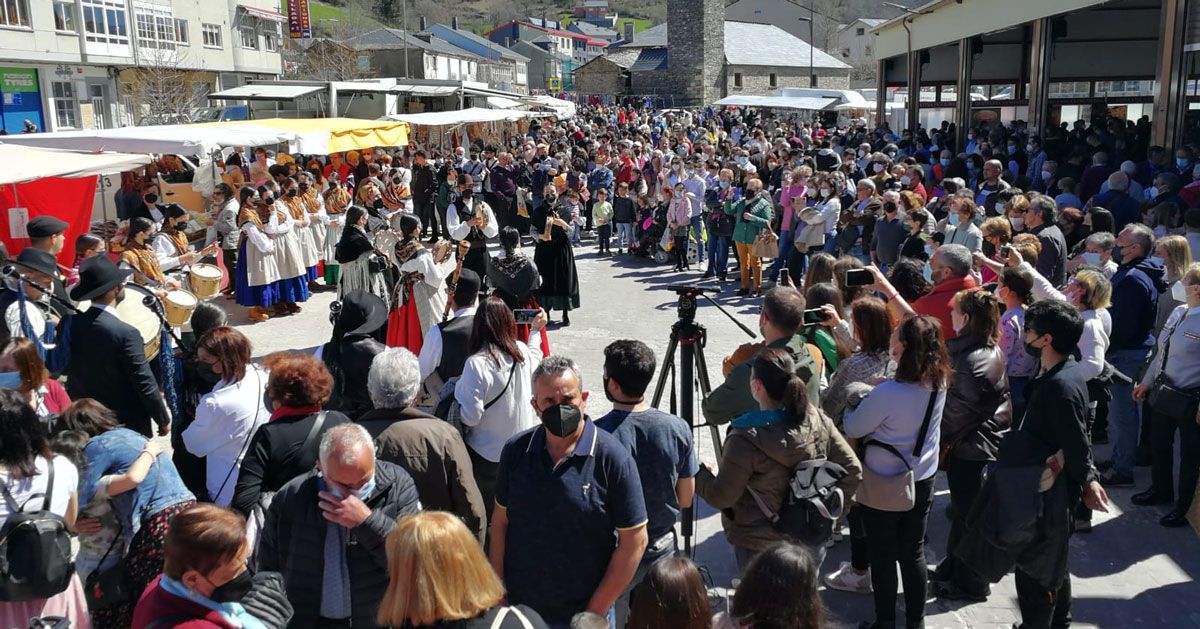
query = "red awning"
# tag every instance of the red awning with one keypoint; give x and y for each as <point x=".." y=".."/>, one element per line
<point x="263" y="14"/>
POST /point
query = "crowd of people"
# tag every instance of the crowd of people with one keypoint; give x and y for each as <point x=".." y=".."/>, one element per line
<point x="990" y="305"/>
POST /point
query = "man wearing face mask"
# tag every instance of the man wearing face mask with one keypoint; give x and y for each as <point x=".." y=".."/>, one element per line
<point x="205" y="581"/>
<point x="325" y="531"/>
<point x="1047" y="448"/>
<point x="569" y="504"/>
<point x="1040" y="220"/>
<point x="472" y="220"/>
<point x="1135" y="290"/>
<point x="950" y="273"/>
<point x="888" y="234"/>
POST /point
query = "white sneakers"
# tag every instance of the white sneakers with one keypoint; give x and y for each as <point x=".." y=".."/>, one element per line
<point x="847" y="579"/>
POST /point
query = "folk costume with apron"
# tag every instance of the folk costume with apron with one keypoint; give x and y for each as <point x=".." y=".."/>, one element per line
<point x="257" y="265"/>
<point x="289" y="255"/>
<point x="337" y="199"/>
<point x="420" y="295"/>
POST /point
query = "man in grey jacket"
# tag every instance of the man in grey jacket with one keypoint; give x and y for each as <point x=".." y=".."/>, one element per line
<point x="325" y="531"/>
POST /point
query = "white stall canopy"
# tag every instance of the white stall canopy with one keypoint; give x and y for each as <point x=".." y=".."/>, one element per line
<point x="777" y="102"/>
<point x="184" y="140"/>
<point x="463" y="116"/>
<point x="25" y="163"/>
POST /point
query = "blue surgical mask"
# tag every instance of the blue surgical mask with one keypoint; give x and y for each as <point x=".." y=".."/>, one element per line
<point x="363" y="492"/>
<point x="1012" y="149"/>
<point x="724" y="184"/>
<point x="10" y="380"/>
<point x="927" y="272"/>
<point x="945" y="161"/>
<point x="954" y="220"/>
<point x="1092" y="258"/>
<point x="1046" y="175"/>
<point x="928" y="250"/>
<point x="1156" y="260"/>
<point x="1181" y="162"/>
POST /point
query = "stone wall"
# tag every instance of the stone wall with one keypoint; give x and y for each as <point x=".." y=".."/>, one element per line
<point x="696" y="57"/>
<point x="600" y="77"/>
<point x="756" y="80"/>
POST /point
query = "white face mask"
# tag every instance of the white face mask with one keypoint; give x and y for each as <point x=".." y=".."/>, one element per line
<point x="1179" y="292"/>
<point x="905" y="180"/>
<point x="825" y="192"/>
<point x="1017" y="221"/>
<point x="877" y="167"/>
<point x="1092" y="258"/>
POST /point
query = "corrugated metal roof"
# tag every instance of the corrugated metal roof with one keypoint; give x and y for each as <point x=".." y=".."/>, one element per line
<point x="649" y="60"/>
<point x="503" y="52"/>
<point x="749" y="44"/>
<point x="394" y="39"/>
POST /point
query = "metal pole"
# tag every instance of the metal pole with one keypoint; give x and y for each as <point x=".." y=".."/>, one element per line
<point x="404" y="19"/>
<point x="812" y="44"/>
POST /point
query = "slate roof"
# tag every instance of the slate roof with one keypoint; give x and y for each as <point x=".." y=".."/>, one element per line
<point x="591" y="30"/>
<point x="649" y="60"/>
<point x="505" y="53"/>
<point x="394" y="39"/>
<point x="749" y="44"/>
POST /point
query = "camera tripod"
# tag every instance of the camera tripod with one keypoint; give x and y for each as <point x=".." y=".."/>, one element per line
<point x="693" y="374"/>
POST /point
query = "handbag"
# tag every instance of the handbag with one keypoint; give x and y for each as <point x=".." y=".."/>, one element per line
<point x="765" y="245"/>
<point x="111" y="586"/>
<point x="1166" y="398"/>
<point x="893" y="493"/>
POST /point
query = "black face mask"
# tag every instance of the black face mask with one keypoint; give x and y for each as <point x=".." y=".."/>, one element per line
<point x="378" y="204"/>
<point x="467" y="194"/>
<point x="303" y="187"/>
<point x="989" y="249"/>
<point x="561" y="419"/>
<point x="1035" y="352"/>
<point x="234" y="590"/>
<point x="151" y="198"/>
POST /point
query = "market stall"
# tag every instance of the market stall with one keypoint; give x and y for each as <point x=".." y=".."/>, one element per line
<point x="449" y="129"/>
<point x="39" y="181"/>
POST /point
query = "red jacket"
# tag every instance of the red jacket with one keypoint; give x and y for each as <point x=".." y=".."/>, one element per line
<point x="57" y="399"/>
<point x="937" y="303"/>
<point x="158" y="603"/>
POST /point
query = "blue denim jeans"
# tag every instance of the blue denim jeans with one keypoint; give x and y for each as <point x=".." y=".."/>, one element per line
<point x="785" y="251"/>
<point x="624" y="235"/>
<point x="830" y="243"/>
<point x="1124" y="413"/>
<point x="697" y="233"/>
<point x="718" y="255"/>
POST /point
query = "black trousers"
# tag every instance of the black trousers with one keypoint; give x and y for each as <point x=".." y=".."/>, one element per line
<point x="1162" y="460"/>
<point x="486" y="473"/>
<point x="899" y="538"/>
<point x="229" y="258"/>
<point x="1042" y="608"/>
<point x="965" y="479"/>
<point x="431" y="223"/>
<point x="859" y="557"/>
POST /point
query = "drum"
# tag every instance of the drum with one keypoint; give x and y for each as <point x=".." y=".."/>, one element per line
<point x="205" y="280"/>
<point x="131" y="310"/>
<point x="179" y="305"/>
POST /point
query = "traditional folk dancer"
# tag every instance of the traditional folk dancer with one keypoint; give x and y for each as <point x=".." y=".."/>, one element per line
<point x="471" y="219"/>
<point x="257" y="267"/>
<point x="289" y="255"/>
<point x="515" y="279"/>
<point x="420" y="296"/>
<point x="298" y="210"/>
<point x="318" y="227"/>
<point x="362" y="267"/>
<point x="171" y="244"/>
<point x="337" y="200"/>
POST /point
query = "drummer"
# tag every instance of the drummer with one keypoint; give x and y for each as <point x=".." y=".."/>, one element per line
<point x="137" y="253"/>
<point x="171" y="245"/>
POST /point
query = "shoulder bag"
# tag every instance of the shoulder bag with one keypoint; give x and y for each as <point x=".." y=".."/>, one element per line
<point x="498" y="621"/>
<point x="1167" y="399"/>
<point x="893" y="493"/>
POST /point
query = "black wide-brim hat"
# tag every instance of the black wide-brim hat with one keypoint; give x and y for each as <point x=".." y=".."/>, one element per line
<point x="98" y="275"/>
<point x="362" y="312"/>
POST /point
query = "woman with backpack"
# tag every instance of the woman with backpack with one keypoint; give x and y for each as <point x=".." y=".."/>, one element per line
<point x="899" y="424"/>
<point x="761" y="454"/>
<point x="42" y="486"/>
<point x="142" y="509"/>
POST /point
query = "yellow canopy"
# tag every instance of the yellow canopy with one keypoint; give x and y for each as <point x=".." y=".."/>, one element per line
<point x="333" y="135"/>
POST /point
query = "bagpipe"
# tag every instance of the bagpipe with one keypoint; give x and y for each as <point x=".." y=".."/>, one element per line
<point x="54" y="344"/>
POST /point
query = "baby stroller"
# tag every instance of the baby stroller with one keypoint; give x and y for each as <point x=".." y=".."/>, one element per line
<point x="651" y="244"/>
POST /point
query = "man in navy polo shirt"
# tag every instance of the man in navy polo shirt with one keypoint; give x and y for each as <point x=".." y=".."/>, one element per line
<point x="569" y="524"/>
<point x="661" y="445"/>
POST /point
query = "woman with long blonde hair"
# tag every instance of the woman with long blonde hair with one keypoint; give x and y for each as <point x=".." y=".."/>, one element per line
<point x="441" y="578"/>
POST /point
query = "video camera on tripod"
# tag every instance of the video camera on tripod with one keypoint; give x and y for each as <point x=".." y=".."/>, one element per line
<point x="688" y="295"/>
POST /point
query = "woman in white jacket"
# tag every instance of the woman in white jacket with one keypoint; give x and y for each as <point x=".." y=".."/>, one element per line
<point x="820" y="220"/>
<point x="227" y="417"/>
<point x="495" y="389"/>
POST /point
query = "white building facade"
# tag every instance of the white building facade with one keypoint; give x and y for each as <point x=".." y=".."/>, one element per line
<point x="63" y="62"/>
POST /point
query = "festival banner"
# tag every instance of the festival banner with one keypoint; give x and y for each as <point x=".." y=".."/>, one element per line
<point x="299" y="22"/>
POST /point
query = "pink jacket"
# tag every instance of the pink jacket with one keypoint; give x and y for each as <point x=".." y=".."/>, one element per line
<point x="680" y="210"/>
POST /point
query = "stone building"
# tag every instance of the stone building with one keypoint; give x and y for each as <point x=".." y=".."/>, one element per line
<point x="707" y="58"/>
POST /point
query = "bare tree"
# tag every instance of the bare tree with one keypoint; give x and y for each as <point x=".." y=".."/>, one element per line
<point x="324" y="60"/>
<point x="160" y="88"/>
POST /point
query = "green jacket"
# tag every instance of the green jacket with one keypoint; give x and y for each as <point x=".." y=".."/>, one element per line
<point x="733" y="397"/>
<point x="745" y="231"/>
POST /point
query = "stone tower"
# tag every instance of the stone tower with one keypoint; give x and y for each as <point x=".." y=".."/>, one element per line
<point x="696" y="49"/>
